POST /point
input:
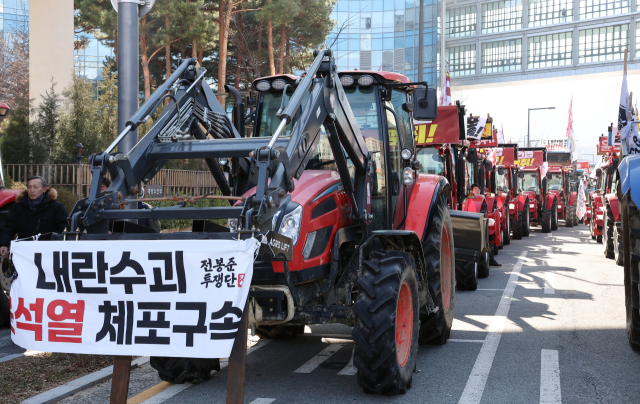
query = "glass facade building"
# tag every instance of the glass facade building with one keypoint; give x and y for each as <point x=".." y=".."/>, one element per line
<point x="12" y="13"/>
<point x="384" y="35"/>
<point x="90" y="60"/>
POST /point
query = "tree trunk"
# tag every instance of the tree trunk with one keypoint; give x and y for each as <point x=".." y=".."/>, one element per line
<point x="272" y="66"/>
<point x="200" y="56"/>
<point x="287" y="59"/>
<point x="281" y="54"/>
<point x="225" y="21"/>
<point x="259" y="37"/>
<point x="145" y="60"/>
<point x="240" y="56"/>
<point x="167" y="50"/>
<point x="194" y="49"/>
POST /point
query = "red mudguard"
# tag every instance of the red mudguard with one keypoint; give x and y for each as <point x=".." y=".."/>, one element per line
<point x="424" y="191"/>
<point x="613" y="202"/>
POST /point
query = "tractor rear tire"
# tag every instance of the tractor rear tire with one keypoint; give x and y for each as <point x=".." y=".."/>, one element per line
<point x="466" y="275"/>
<point x="180" y="370"/>
<point x="607" y="232"/>
<point x="518" y="228"/>
<point x="599" y="239"/>
<point x="618" y="249"/>
<point x="546" y="221"/>
<point x="507" y="234"/>
<point x="484" y="265"/>
<point x="576" y="221"/>
<point x="554" y="215"/>
<point x="631" y="222"/>
<point x="387" y="323"/>
<point x="280" y="331"/>
<point x="569" y="214"/>
<point x="4" y="310"/>
<point x="526" y="220"/>
<point x="439" y="257"/>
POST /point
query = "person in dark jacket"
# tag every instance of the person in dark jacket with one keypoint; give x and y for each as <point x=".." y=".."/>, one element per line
<point x="36" y="212"/>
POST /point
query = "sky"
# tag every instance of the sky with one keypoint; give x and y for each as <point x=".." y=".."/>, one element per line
<point x="595" y="107"/>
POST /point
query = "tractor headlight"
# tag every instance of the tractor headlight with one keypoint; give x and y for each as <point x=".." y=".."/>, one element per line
<point x="407" y="176"/>
<point x="346" y="81"/>
<point x="278" y="84"/>
<point x="365" y="80"/>
<point x="512" y="206"/>
<point x="531" y="205"/>
<point x="263" y="85"/>
<point x="290" y="226"/>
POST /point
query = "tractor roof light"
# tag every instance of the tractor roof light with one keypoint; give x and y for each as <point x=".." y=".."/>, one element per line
<point x="365" y="80"/>
<point x="406" y="154"/>
<point x="263" y="85"/>
<point x="347" y="81"/>
<point x="278" y="84"/>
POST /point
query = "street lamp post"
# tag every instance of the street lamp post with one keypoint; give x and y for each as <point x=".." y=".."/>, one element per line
<point x="79" y="157"/>
<point x="529" y="121"/>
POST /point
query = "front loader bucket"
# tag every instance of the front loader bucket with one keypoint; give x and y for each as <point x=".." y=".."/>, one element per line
<point x="470" y="234"/>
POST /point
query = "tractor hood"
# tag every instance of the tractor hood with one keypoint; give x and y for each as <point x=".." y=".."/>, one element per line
<point x="531" y="195"/>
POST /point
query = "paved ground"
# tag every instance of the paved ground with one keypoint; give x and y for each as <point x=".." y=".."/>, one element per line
<point x="548" y="326"/>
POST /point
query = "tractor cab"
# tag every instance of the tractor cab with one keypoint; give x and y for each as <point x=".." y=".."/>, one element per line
<point x="543" y="205"/>
<point x="560" y="168"/>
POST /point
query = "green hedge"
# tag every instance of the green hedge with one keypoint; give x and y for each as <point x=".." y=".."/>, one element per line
<point x="180" y="224"/>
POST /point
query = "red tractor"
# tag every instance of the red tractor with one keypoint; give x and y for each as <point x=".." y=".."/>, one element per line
<point x="605" y="205"/>
<point x="543" y="205"/>
<point x="442" y="150"/>
<point x="560" y="185"/>
<point x="504" y="183"/>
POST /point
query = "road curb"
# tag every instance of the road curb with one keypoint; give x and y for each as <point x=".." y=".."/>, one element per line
<point x="80" y="384"/>
<point x="9" y="357"/>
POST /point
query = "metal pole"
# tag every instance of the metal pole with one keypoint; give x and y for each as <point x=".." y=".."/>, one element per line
<point x="420" y="40"/>
<point x="528" y="125"/>
<point x="79" y="179"/>
<point x="128" y="75"/>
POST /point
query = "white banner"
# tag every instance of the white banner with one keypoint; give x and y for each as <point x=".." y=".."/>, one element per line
<point x="179" y="298"/>
<point x="580" y="202"/>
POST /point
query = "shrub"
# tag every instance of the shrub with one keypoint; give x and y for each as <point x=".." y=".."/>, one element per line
<point x="67" y="197"/>
<point x="183" y="223"/>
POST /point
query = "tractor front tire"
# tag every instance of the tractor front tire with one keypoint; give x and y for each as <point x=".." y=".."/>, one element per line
<point x="554" y="215"/>
<point x="518" y="226"/>
<point x="507" y="234"/>
<point x="4" y="310"/>
<point x="569" y="214"/>
<point x="484" y="265"/>
<point x="546" y="221"/>
<point x="607" y="232"/>
<point x="631" y="252"/>
<point x="618" y="249"/>
<point x="180" y="370"/>
<point x="440" y="261"/>
<point x="387" y="323"/>
<point x="526" y="220"/>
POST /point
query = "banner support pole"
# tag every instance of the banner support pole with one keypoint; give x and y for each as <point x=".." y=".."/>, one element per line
<point x="237" y="362"/>
<point x="120" y="380"/>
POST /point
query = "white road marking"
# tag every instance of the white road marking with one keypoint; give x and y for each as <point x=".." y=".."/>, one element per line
<point x="478" y="378"/>
<point x="263" y="401"/>
<point x="177" y="388"/>
<point x="550" y="377"/>
<point x="549" y="281"/>
<point x="466" y="340"/>
<point x="349" y="370"/>
<point x="314" y="362"/>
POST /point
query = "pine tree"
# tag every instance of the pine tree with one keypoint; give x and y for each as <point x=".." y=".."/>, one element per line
<point x="15" y="142"/>
<point x="44" y="128"/>
<point x="107" y="104"/>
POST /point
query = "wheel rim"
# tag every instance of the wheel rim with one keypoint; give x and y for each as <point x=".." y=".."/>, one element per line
<point x="404" y="324"/>
<point x="445" y="268"/>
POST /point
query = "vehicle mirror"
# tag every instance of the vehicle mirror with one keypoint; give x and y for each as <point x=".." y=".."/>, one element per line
<point x="610" y="170"/>
<point x="488" y="165"/>
<point x="599" y="172"/>
<point x="549" y="176"/>
<point x="425" y="107"/>
<point x="472" y="156"/>
<point x="501" y="170"/>
<point x="520" y="174"/>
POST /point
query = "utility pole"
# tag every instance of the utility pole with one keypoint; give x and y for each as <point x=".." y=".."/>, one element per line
<point x="420" y="41"/>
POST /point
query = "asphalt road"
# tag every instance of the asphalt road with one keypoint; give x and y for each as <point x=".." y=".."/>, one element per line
<point x="548" y="326"/>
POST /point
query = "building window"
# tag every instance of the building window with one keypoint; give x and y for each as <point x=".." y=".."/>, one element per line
<point x="501" y="16"/>
<point x="545" y="12"/>
<point x="602" y="8"/>
<point x="602" y="44"/>
<point x="462" y="60"/>
<point x="637" y="40"/>
<point x="502" y="56"/>
<point x="461" y="22"/>
<point x="550" y="50"/>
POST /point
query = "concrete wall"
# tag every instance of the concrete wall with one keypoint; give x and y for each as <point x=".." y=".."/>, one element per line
<point x="50" y="46"/>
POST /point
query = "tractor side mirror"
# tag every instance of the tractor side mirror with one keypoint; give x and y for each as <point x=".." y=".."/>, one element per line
<point x="501" y="170"/>
<point x="549" y="176"/>
<point x="425" y="104"/>
<point x="487" y="165"/>
<point x="610" y="170"/>
<point x="472" y="156"/>
<point x="520" y="174"/>
<point x="599" y="172"/>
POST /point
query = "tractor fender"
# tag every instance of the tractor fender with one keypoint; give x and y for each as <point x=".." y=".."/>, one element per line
<point x="548" y="201"/>
<point x="475" y="204"/>
<point x="502" y="200"/>
<point x="612" y="199"/>
<point x="523" y="202"/>
<point x="572" y="198"/>
<point x="425" y="190"/>
<point x="629" y="168"/>
<point x="8" y="196"/>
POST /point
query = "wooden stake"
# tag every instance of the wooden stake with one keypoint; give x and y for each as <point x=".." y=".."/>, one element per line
<point x="120" y="380"/>
<point x="625" y="60"/>
<point x="237" y="364"/>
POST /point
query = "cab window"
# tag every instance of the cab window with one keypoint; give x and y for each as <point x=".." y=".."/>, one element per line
<point x="405" y="124"/>
<point x="555" y="183"/>
<point x="502" y="181"/>
<point x="530" y="182"/>
<point x="430" y="161"/>
<point x="469" y="177"/>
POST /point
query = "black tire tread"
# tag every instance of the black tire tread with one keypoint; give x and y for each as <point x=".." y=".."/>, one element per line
<point x="570" y="213"/>
<point x="546" y="221"/>
<point x="607" y="232"/>
<point x="466" y="275"/>
<point x="630" y="221"/>
<point x="526" y="224"/>
<point x="618" y="248"/>
<point x="554" y="215"/>
<point x="4" y="310"/>
<point x="517" y="226"/>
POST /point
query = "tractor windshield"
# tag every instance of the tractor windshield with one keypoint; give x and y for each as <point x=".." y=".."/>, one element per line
<point x="502" y="182"/>
<point x="430" y="161"/>
<point x="530" y="182"/>
<point x="267" y="120"/>
<point x="555" y="183"/>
